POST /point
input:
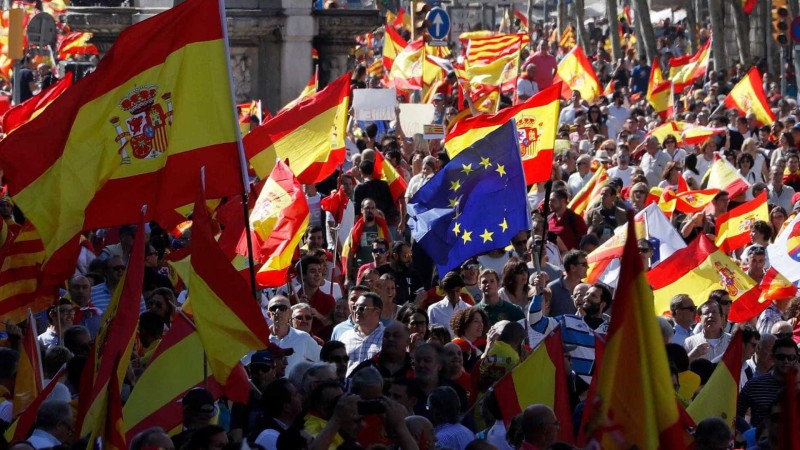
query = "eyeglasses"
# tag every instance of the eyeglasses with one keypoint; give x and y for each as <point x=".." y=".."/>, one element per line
<point x="379" y="251"/>
<point x="609" y="149"/>
<point x="305" y="318"/>
<point x="470" y="267"/>
<point x="688" y="308"/>
<point x="278" y="308"/>
<point x="361" y="309"/>
<point x="784" y="357"/>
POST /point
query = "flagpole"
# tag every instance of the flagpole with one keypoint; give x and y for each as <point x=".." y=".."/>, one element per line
<point x="242" y="157"/>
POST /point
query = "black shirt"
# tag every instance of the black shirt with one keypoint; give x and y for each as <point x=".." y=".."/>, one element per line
<point x="407" y="283"/>
<point x="25" y="79"/>
<point x="377" y="190"/>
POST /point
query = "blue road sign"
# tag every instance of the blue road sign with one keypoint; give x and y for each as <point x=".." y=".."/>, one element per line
<point x="440" y="23"/>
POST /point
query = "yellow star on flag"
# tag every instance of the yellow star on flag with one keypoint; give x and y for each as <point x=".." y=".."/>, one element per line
<point x="457" y="228"/>
<point x="467" y="236"/>
<point x="466" y="168"/>
<point x="504" y="225"/>
<point x="454" y="202"/>
<point x="501" y="169"/>
<point x="487" y="235"/>
<point x="485" y="163"/>
<point x="455" y="185"/>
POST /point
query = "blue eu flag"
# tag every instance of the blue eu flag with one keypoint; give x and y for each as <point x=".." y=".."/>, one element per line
<point x="475" y="204"/>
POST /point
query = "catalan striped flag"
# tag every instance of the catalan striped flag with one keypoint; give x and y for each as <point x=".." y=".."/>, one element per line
<point x="482" y="51"/>
<point x="386" y="172"/>
<point x="700" y="268"/>
<point x="718" y="396"/>
<point x="684" y="70"/>
<point x="228" y="318"/>
<point x="75" y="44"/>
<point x="111" y="352"/>
<point x="536" y="133"/>
<point x="96" y="139"/>
<point x="310" y="135"/>
<point x="29" y="109"/>
<point x="30" y="379"/>
<point x="637" y="403"/>
<point x="723" y="176"/>
<point x="21" y="275"/>
<point x="568" y="40"/>
<point x="577" y="73"/>
<point x="540" y="378"/>
<point x="279" y="219"/>
<point x="393" y="44"/>
<point x="590" y="193"/>
<point x="733" y="227"/>
<point x="748" y="97"/>
<point x="175" y="368"/>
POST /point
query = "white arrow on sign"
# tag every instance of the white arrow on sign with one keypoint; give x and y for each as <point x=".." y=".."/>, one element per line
<point x="437" y="20"/>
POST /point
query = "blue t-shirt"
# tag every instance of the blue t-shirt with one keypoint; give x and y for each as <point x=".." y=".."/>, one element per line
<point x="640" y="76"/>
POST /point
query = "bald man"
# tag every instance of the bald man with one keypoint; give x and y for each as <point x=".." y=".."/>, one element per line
<point x="422" y="430"/>
<point x="540" y="425"/>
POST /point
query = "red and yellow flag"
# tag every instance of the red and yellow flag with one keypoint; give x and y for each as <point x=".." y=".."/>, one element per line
<point x="723" y="176"/>
<point x="154" y="110"/>
<point x="22" y="426"/>
<point x="74" y="44"/>
<point x="684" y="70"/>
<point x="113" y="437"/>
<point x="656" y="78"/>
<point x="111" y="352"/>
<point x="733" y="227"/>
<point x="536" y="131"/>
<point x="577" y="73"/>
<point x="773" y="286"/>
<point x="386" y="172"/>
<point x="540" y="378"/>
<point x="662" y="98"/>
<point x="749" y="5"/>
<point x="30" y="379"/>
<point x="637" y="403"/>
<point x="485" y="50"/>
<point x="567" y="40"/>
<point x="279" y="219"/>
<point x="228" y="318"/>
<point x="700" y="268"/>
<point x="393" y="44"/>
<point x="21" y="275"/>
<point x="698" y="135"/>
<point x="307" y="92"/>
<point x="310" y="135"/>
<point x="590" y="193"/>
<point x="523" y="19"/>
<point x="718" y="396"/>
<point x="29" y="109"/>
<point x="748" y="97"/>
<point x="175" y="368"/>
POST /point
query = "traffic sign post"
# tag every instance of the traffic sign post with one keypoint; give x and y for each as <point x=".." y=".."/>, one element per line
<point x="440" y="23"/>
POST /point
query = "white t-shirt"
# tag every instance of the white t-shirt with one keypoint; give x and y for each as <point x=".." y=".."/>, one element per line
<point x="623" y="174"/>
<point x="526" y="88"/>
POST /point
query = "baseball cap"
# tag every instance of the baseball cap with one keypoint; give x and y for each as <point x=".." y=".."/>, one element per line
<point x="279" y="351"/>
<point x="263" y="358"/>
<point x="199" y="400"/>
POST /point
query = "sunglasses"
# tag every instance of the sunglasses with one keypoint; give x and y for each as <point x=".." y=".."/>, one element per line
<point x="305" y="318"/>
<point x="278" y="308"/>
<point x="361" y="309"/>
<point x="688" y="308"/>
<point x="783" y="357"/>
<point x="379" y="251"/>
<point x="471" y="267"/>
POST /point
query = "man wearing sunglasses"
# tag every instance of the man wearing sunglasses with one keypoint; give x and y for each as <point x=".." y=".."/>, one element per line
<point x="683" y="311"/>
<point x="380" y="256"/>
<point x="365" y="340"/>
<point x="284" y="336"/>
<point x="113" y="269"/>
<point x="759" y="393"/>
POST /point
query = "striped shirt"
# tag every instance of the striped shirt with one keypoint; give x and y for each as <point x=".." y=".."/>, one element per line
<point x="361" y="348"/>
<point x="453" y="436"/>
<point x="757" y="396"/>
<point x="101" y="298"/>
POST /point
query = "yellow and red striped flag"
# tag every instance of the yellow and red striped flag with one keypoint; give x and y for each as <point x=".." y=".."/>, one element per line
<point x="309" y="91"/>
<point x="662" y="98"/>
<point x="590" y="193"/>
<point x="535" y="129"/>
<point x="637" y="403"/>
<point x="310" y="135"/>
<point x="669" y="128"/>
<point x="723" y="176"/>
<point x="540" y="378"/>
<point x="393" y="44"/>
<point x="138" y="124"/>
<point x="577" y="73"/>
<point x="30" y="379"/>
<point x="523" y="19"/>
<point x="386" y="172"/>
<point x="698" y="135"/>
<point x="113" y="437"/>
<point x="20" y="276"/>
<point x="567" y="40"/>
<point x="700" y="268"/>
<point x="279" y="219"/>
<point x="718" y="396"/>
<point x="22" y="426"/>
<point x="748" y="97"/>
<point x="228" y="318"/>
<point x="74" y="44"/>
<point x="29" y="109"/>
<point x="252" y="108"/>
<point x="656" y="78"/>
<point x="111" y="352"/>
<point x="484" y="50"/>
<point x="684" y="70"/>
<point x="733" y="227"/>
<point x="175" y="368"/>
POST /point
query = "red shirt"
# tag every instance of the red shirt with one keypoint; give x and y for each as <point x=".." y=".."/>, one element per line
<point x="570" y="228"/>
<point x="320" y="301"/>
<point x="546" y="66"/>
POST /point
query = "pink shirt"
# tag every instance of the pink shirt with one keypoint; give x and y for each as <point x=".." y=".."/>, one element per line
<point x="546" y="65"/>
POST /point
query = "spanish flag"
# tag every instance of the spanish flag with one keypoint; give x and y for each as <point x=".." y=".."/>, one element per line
<point x="656" y="78"/>
<point x="393" y="44"/>
<point x="535" y="129"/>
<point x="700" y="268"/>
<point x="111" y="351"/>
<point x="577" y="73"/>
<point x="310" y="135"/>
<point x="279" y="219"/>
<point x="590" y="193"/>
<point x="748" y="97"/>
<point x="113" y="437"/>
<point x="733" y="227"/>
<point x="76" y="43"/>
<point x="723" y="176"/>
<point x="30" y="379"/>
<point x="386" y="172"/>
<point x="662" y="98"/>
<point x="718" y="396"/>
<point x="21" y="286"/>
<point x="228" y="318"/>
<point x="175" y="368"/>
<point x="687" y="201"/>
<point x="684" y="70"/>
<point x="29" y="109"/>
<point x="698" y="135"/>
<point x="637" y="403"/>
<point x="774" y="286"/>
<point x="669" y="128"/>
<point x="22" y="426"/>
<point x="540" y="378"/>
<point x="156" y="108"/>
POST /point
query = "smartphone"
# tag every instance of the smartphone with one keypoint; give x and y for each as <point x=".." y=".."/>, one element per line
<point x="370" y="407"/>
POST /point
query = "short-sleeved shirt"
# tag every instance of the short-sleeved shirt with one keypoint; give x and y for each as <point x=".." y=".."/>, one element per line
<point x="570" y="228"/>
<point x="377" y="190"/>
<point x="360" y="347"/>
<point x="364" y="250"/>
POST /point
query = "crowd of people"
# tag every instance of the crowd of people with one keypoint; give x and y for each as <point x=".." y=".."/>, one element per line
<point x="370" y="347"/>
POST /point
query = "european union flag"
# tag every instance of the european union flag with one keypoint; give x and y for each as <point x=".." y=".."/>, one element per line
<point x="475" y="204"/>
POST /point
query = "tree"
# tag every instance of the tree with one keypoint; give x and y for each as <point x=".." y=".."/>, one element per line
<point x="691" y="24"/>
<point x="613" y="29"/>
<point x="561" y="19"/>
<point x="645" y="27"/>
<point x="580" y="29"/>
<point x="741" y="23"/>
<point x="717" y="36"/>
